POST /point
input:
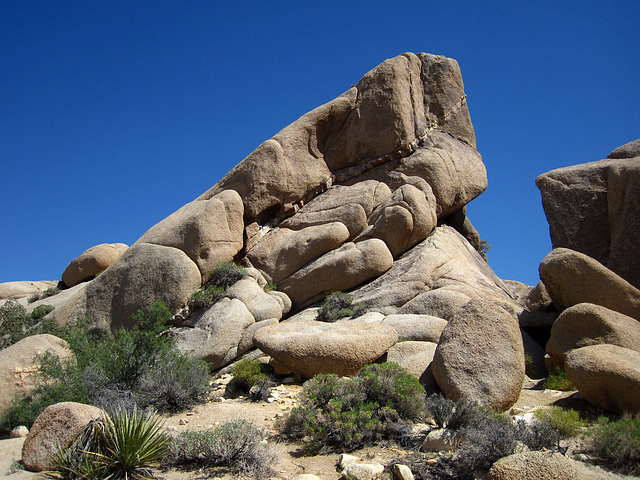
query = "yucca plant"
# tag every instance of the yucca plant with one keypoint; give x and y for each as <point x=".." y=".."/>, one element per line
<point x="122" y="446"/>
<point x="133" y="442"/>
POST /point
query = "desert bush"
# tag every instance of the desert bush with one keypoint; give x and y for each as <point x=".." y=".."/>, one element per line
<point x="558" y="380"/>
<point x="123" y="445"/>
<point x="239" y="445"/>
<point x="566" y="422"/>
<point x="206" y="297"/>
<point x="270" y="286"/>
<point x="336" y="306"/>
<point x="538" y="435"/>
<point x="226" y="274"/>
<point x="254" y="378"/>
<point x="440" y="408"/>
<point x="49" y="292"/>
<point x="130" y="367"/>
<point x="617" y="444"/>
<point x="348" y="413"/>
<point x="16" y="323"/>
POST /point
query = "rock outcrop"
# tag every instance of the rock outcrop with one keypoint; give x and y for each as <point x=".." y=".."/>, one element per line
<point x="592" y="208"/>
<point x="92" y="262"/>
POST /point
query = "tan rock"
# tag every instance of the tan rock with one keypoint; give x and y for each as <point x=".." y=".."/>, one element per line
<point x="607" y="376"/>
<point x="92" y="262"/>
<point x="311" y="347"/>
<point x="19" y="432"/>
<point x="15" y="290"/>
<point x="143" y="274"/>
<point x="572" y="277"/>
<point x="363" y="471"/>
<point x="421" y="328"/>
<point x="208" y="231"/>
<point x="19" y="369"/>
<point x="402" y="472"/>
<point x="480" y="356"/>
<point x="56" y="427"/>
<point x="537" y="466"/>
<point x="588" y="324"/>
<point x="260" y="304"/>
<point x="284" y="251"/>
<point x="356" y="263"/>
<point x="414" y="357"/>
<point x="405" y="219"/>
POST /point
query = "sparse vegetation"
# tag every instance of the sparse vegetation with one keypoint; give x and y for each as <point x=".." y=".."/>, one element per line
<point x="347" y="413"/>
<point x="617" y="444"/>
<point x="238" y="445"/>
<point x="49" y="292"/>
<point x="567" y="422"/>
<point x="16" y="323"/>
<point x="558" y="380"/>
<point x="206" y="297"/>
<point x="254" y="378"/>
<point x="270" y="286"/>
<point x="131" y="367"/>
<point x="226" y="274"/>
<point x="336" y="306"/>
<point x="122" y="445"/>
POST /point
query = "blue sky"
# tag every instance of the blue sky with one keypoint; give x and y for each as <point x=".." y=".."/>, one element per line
<point x="114" y="114"/>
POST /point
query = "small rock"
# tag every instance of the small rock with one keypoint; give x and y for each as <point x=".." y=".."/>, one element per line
<point x="19" y="432"/>
<point x="346" y="459"/>
<point x="183" y="421"/>
<point x="307" y="476"/>
<point x="189" y="414"/>
<point x="363" y="471"/>
<point x="439" y="440"/>
<point x="402" y="472"/>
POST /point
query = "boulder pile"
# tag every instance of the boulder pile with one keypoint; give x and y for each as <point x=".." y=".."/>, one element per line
<point x="367" y="194"/>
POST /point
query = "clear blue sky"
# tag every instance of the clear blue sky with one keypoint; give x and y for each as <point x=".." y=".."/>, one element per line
<point x="114" y="114"/>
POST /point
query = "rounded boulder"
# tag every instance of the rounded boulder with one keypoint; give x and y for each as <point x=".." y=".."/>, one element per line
<point x="91" y="262"/>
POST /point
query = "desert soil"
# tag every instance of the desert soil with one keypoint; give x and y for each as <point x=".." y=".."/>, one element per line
<point x="265" y="414"/>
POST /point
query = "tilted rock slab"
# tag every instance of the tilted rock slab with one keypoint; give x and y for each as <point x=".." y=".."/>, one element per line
<point x="480" y="356"/>
<point x="56" y="427"/>
<point x="607" y="376"/>
<point x="311" y="347"/>
<point x="436" y="277"/>
<point x="588" y="324"/>
<point x="572" y="277"/>
<point x="18" y="368"/>
<point x="92" y="262"/>
<point x="592" y="208"/>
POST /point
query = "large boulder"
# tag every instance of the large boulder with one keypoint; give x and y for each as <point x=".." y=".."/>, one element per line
<point x="421" y="328"/>
<point x="56" y="427"/>
<point x="607" y="376"/>
<point x="310" y="347"/>
<point x="208" y="231"/>
<point x="15" y="290"/>
<point x="143" y="274"/>
<point x="588" y="324"/>
<point x="415" y="358"/>
<point x="355" y="262"/>
<point x="572" y="277"/>
<point x="480" y="356"/>
<point x="92" y="262"/>
<point x="19" y="367"/>
<point x="592" y="208"/>
<point x="538" y="466"/>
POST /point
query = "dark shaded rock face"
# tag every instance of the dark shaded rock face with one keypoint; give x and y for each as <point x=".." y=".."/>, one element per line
<point x="594" y="208"/>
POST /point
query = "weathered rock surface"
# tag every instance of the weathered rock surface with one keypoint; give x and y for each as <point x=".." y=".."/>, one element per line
<point x="311" y="347"/>
<point x="607" y="376"/>
<point x="572" y="277"/>
<point x="444" y="262"/>
<point x="480" y="356"/>
<point x="355" y="262"/>
<point x="143" y="274"/>
<point x="421" y="328"/>
<point x="92" y="262"/>
<point x="18" y="370"/>
<point x="56" y="427"/>
<point x="414" y="357"/>
<point x="208" y="231"/>
<point x="592" y="208"/>
<point x="588" y="324"/>
<point x="22" y="289"/>
<point x="537" y="466"/>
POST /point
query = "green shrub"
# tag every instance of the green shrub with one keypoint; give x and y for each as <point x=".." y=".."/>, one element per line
<point x="49" y="292"/>
<point x="129" y="367"/>
<point x="206" y="298"/>
<point x="254" y="378"/>
<point x="16" y="323"/>
<point x="123" y="445"/>
<point x="336" y="306"/>
<point x="558" y="380"/>
<point x="617" y="444"/>
<point x="238" y="445"/>
<point x="270" y="286"/>
<point x="348" y="413"/>
<point x="566" y="422"/>
<point x="226" y="274"/>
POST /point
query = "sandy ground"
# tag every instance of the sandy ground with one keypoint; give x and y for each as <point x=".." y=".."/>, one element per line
<point x="265" y="414"/>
